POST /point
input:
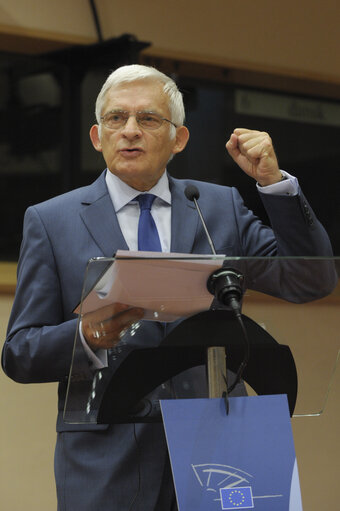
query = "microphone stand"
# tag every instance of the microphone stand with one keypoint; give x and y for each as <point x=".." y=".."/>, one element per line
<point x="216" y="355"/>
<point x="225" y="285"/>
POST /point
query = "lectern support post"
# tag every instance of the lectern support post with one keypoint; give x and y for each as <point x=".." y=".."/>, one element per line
<point x="217" y="371"/>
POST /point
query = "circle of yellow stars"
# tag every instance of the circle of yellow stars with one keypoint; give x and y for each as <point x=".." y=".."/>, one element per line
<point x="239" y="494"/>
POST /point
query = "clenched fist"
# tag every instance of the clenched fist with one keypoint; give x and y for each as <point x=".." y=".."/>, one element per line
<point x="254" y="153"/>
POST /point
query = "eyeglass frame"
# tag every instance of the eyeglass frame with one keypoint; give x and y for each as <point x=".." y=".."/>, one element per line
<point x="135" y="114"/>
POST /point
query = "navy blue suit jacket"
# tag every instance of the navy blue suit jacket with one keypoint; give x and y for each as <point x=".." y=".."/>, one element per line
<point x="60" y="236"/>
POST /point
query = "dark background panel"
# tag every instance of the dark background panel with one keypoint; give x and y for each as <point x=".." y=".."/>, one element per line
<point x="47" y="108"/>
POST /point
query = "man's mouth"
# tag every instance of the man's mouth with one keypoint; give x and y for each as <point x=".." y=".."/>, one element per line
<point x="129" y="152"/>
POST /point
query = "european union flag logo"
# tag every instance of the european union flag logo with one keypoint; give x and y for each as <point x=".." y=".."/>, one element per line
<point x="237" y="498"/>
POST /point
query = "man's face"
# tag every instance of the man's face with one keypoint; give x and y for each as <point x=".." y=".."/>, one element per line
<point x="136" y="155"/>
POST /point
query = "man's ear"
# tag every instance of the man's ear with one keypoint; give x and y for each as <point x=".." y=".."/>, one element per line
<point x="94" y="136"/>
<point x="182" y="137"/>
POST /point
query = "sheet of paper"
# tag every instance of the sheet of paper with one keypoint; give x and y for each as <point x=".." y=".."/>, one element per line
<point x="166" y="285"/>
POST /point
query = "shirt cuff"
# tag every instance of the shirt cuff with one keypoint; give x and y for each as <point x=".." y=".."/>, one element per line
<point x="289" y="186"/>
<point x="98" y="359"/>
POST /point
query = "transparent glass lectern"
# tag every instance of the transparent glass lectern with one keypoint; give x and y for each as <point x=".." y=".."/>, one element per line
<point x="290" y="311"/>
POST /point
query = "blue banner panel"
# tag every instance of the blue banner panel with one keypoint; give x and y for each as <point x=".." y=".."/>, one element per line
<point x="244" y="460"/>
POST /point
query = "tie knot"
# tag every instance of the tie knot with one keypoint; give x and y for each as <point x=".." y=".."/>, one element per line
<point x="145" y="200"/>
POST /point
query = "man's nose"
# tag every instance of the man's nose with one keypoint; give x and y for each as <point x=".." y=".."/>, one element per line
<point x="131" y="127"/>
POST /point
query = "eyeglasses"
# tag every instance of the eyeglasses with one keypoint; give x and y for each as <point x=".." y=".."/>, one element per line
<point x="148" y="120"/>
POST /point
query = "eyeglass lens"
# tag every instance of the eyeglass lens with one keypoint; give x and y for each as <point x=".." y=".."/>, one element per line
<point x="148" y="120"/>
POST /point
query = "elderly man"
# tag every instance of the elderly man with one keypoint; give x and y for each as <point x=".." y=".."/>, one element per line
<point x="140" y="126"/>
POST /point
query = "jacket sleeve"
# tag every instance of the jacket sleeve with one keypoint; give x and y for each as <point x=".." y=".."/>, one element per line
<point x="39" y="342"/>
<point x="297" y="230"/>
<point x="304" y="270"/>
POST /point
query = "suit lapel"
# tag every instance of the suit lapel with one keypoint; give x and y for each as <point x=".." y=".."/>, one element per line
<point x="184" y="219"/>
<point x="100" y="218"/>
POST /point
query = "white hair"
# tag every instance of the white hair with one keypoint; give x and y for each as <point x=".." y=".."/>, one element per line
<point x="136" y="72"/>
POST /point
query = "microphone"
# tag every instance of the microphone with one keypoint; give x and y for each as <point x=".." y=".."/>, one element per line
<point x="226" y="283"/>
<point x="192" y="193"/>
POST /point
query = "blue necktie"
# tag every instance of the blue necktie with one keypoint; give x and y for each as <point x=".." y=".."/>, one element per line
<point x="148" y="238"/>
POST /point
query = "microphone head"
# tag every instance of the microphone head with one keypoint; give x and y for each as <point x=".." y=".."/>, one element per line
<point x="191" y="192"/>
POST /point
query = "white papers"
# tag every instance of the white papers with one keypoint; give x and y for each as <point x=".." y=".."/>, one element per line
<point x="167" y="285"/>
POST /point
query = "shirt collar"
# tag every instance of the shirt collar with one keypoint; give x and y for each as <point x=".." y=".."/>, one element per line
<point x="121" y="193"/>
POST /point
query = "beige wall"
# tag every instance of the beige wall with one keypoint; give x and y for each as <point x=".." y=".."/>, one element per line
<point x="62" y="17"/>
<point x="27" y="438"/>
<point x="290" y="37"/>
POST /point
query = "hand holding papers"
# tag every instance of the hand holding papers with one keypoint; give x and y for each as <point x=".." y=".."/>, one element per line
<point x="167" y="286"/>
<point x="104" y="327"/>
